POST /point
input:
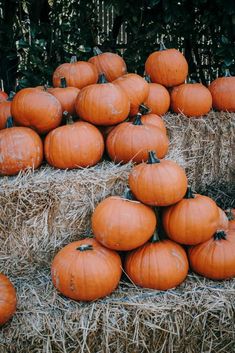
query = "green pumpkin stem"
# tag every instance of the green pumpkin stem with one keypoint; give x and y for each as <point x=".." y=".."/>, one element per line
<point x="73" y="59"/>
<point x="68" y="118"/>
<point x="147" y="78"/>
<point x="155" y="238"/>
<point x="128" y="194"/>
<point x="227" y="73"/>
<point x="162" y="46"/>
<point x="9" y="122"/>
<point x="97" y="51"/>
<point x="11" y="96"/>
<point x="153" y="158"/>
<point x="220" y="235"/>
<point x="143" y="109"/>
<point x="189" y="193"/>
<point x="137" y="119"/>
<point x="63" y="83"/>
<point x="85" y="247"/>
<point x="102" y="79"/>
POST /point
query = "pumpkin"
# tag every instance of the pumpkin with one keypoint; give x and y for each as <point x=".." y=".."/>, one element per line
<point x="215" y="258"/>
<point x="223" y="220"/>
<point x="158" y="264"/>
<point x="8" y="299"/>
<point x="66" y="96"/>
<point x="109" y="64"/>
<point x="74" y="145"/>
<point x="5" y="110"/>
<point x="36" y="109"/>
<point x="85" y="270"/>
<point x="131" y="141"/>
<point x="191" y="99"/>
<point x="119" y="223"/>
<point x="77" y="74"/>
<point x="167" y="67"/>
<point x="192" y="220"/>
<point x="158" y="99"/>
<point x="158" y="182"/>
<point x="20" y="148"/>
<point x="3" y="96"/>
<point x="136" y="88"/>
<point x="103" y="103"/>
<point x="150" y="118"/>
<point x="223" y="93"/>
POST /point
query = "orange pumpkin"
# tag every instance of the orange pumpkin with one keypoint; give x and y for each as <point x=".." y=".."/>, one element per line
<point x="223" y="93"/>
<point x="167" y="67"/>
<point x="223" y="220"/>
<point x="136" y="88"/>
<point x="8" y="299"/>
<point x="192" y="220"/>
<point x="158" y="99"/>
<point x="3" y="96"/>
<point x="5" y="110"/>
<point x="215" y="258"/>
<point x="150" y="118"/>
<point x="131" y="141"/>
<point x="119" y="223"/>
<point x="77" y="74"/>
<point x="85" y="270"/>
<point x="103" y="103"/>
<point x="109" y="64"/>
<point x="158" y="264"/>
<point x="36" y="109"/>
<point x="74" y="145"/>
<point x="158" y="182"/>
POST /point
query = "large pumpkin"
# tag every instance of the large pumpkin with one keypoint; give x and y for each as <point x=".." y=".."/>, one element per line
<point x="20" y="148"/>
<point x="136" y="88"/>
<point x="37" y="109"/>
<point x="5" y="110"/>
<point x="109" y="64"/>
<point x="158" y="182"/>
<point x="158" y="99"/>
<point x="158" y="264"/>
<point x="132" y="141"/>
<point x="85" y="270"/>
<point x="120" y="223"/>
<point x="103" y="103"/>
<point x="8" y="299"/>
<point x="74" y="145"/>
<point x="192" y="220"/>
<point x="215" y="258"/>
<point x="223" y="93"/>
<point x="167" y="67"/>
<point x="3" y="96"/>
<point x="77" y="74"/>
<point x="191" y="99"/>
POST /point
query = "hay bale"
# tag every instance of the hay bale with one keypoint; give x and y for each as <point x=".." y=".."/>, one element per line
<point x="197" y="317"/>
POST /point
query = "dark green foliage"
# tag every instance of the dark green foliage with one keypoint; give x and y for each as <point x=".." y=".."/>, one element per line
<point x="38" y="35"/>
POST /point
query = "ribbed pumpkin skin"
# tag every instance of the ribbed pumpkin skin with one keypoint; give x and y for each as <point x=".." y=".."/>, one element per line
<point x="71" y="146"/>
<point x="78" y="74"/>
<point x="36" y="109"/>
<point x="67" y="97"/>
<point x="214" y="259"/>
<point x="158" y="99"/>
<point x="121" y="224"/>
<point x="132" y="142"/>
<point x="20" y="148"/>
<point x="109" y="64"/>
<point x="86" y="275"/>
<point x="136" y="88"/>
<point x="191" y="99"/>
<point x="191" y="221"/>
<point x="223" y="93"/>
<point x="3" y="96"/>
<point x="167" y="67"/>
<point x="162" y="265"/>
<point x="7" y="299"/>
<point x="5" y="112"/>
<point x="154" y="119"/>
<point x="223" y="220"/>
<point x="103" y="104"/>
<point x="159" y="184"/>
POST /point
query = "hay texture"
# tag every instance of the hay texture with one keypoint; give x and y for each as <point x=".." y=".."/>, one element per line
<point x="198" y="316"/>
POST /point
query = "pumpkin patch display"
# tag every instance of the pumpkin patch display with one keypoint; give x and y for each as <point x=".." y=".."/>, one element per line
<point x="223" y="93"/>
<point x="85" y="270"/>
<point x="119" y="223"/>
<point x="158" y="182"/>
<point x="8" y="299"/>
<point x="5" y="110"/>
<point x="158" y="99"/>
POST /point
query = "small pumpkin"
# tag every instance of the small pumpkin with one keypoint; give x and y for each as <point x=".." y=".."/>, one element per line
<point x="85" y="270"/>
<point x="158" y="99"/>
<point x="158" y="264"/>
<point x="103" y="103"/>
<point x="77" y="74"/>
<point x="119" y="223"/>
<point x="192" y="220"/>
<point x="37" y="109"/>
<point x="109" y="64"/>
<point x="215" y="258"/>
<point x="20" y="148"/>
<point x="8" y="299"/>
<point x="136" y="88"/>
<point x="167" y="67"/>
<point x="74" y="145"/>
<point x="5" y="110"/>
<point x="131" y="141"/>
<point x="3" y="96"/>
<point x="223" y="220"/>
<point x="158" y="182"/>
<point x="223" y="93"/>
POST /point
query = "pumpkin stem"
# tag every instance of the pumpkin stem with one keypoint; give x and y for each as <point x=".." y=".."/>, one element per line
<point x="227" y="73"/>
<point x="153" y="158"/>
<point x="162" y="46"/>
<point x="147" y="78"/>
<point x="128" y="194"/>
<point x="102" y="79"/>
<point x="143" y="109"/>
<point x="97" y="51"/>
<point x="189" y="193"/>
<point x="137" y="119"/>
<point x="63" y="83"/>
<point x="220" y="235"/>
<point x="73" y="59"/>
<point x="68" y="118"/>
<point x="155" y="238"/>
<point x="11" y="96"/>
<point x="85" y="247"/>
<point x="10" y="122"/>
